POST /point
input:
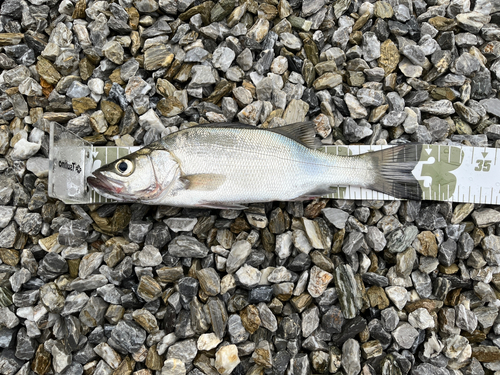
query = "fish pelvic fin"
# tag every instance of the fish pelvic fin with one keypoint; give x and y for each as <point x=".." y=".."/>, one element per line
<point x="393" y="168"/>
<point x="203" y="181"/>
<point x="302" y="132"/>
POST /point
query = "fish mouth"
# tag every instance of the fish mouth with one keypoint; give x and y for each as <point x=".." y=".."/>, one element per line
<point x="104" y="185"/>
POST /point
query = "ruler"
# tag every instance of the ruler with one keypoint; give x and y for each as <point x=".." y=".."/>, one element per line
<point x="445" y="173"/>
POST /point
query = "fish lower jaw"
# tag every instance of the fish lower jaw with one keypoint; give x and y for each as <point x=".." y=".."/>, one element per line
<point x="108" y="195"/>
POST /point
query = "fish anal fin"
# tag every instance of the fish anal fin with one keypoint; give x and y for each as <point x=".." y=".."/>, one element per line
<point x="204" y="181"/>
<point x="302" y="132"/>
<point x="222" y="206"/>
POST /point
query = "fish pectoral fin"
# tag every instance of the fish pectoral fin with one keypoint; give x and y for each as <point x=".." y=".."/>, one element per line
<point x="302" y="132"/>
<point x="222" y="206"/>
<point x="203" y="181"/>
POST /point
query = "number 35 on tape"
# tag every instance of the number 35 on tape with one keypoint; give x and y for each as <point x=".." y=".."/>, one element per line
<point x="445" y="173"/>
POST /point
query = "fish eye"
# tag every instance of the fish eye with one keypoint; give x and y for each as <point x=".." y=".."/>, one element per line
<point x="124" y="167"/>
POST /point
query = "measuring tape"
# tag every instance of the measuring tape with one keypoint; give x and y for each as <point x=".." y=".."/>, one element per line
<point x="445" y="173"/>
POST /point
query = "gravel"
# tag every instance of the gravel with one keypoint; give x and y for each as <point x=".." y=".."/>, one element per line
<point x="280" y="288"/>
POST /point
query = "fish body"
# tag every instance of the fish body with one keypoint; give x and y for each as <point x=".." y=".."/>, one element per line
<point x="227" y="166"/>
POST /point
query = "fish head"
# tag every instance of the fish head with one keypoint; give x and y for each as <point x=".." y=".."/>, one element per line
<point x="143" y="176"/>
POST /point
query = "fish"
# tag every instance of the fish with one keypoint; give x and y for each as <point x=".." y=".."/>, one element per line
<point x="230" y="165"/>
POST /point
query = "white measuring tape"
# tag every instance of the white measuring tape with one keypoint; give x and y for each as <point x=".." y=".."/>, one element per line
<point x="445" y="173"/>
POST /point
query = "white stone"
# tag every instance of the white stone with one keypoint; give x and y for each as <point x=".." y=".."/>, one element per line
<point x="398" y="295"/>
<point x="208" y="341"/>
<point x="24" y="149"/>
<point x="420" y="318"/>
<point x="226" y="359"/>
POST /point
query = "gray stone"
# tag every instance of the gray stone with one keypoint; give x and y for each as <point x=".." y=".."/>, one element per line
<point x="185" y="246"/>
<point x="129" y="336"/>
<point x="405" y="335"/>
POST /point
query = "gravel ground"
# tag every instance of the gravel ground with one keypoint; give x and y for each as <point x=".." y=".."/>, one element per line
<point x="327" y="286"/>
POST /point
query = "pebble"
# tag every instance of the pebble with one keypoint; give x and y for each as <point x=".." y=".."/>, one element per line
<point x="405" y="335"/>
<point x="226" y="359"/>
<point x="298" y="287"/>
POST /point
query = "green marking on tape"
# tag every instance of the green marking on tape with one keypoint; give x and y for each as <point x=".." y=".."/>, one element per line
<point x="437" y="164"/>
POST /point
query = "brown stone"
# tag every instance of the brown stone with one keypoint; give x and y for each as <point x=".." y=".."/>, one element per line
<point x="86" y="68"/>
<point x="126" y="367"/>
<point x="112" y="112"/>
<point x="389" y="57"/>
<point x="46" y="87"/>
<point x="47" y="243"/>
<point x="250" y="87"/>
<point x="377" y="297"/>
<point x="475" y="337"/>
<point x="356" y="38"/>
<point x="170" y="106"/>
<point x="135" y="45"/>
<point x="383" y="10"/>
<point x="450" y="270"/>
<point x="371" y="349"/>
<point x="9" y="256"/>
<point x="81" y="105"/>
<point x="41" y="362"/>
<point x="74" y="266"/>
<point x="431" y="305"/>
<point x="337" y="242"/>
<point x="361" y="21"/>
<point x="47" y="71"/>
<point x="300" y="303"/>
<point x="148" y="289"/>
<point x="439" y="93"/>
<point x="146" y="320"/>
<point x="428" y="245"/>
<point x="10" y="39"/>
<point x="182" y="72"/>
<point x="174" y="69"/>
<point x="115" y="77"/>
<point x="154" y="360"/>
<point x="202" y="9"/>
<point x="133" y="18"/>
<point x="222" y="88"/>
<point x="239" y="225"/>
<point x="113" y="225"/>
<point x="250" y="318"/>
<point x="378" y="112"/>
<point x="486" y="353"/>
<point x="36" y="114"/>
<point x="313" y="209"/>
<point x="453" y="297"/>
<point x="164" y="87"/>
<point x="79" y="12"/>
<point x="157" y="57"/>
<point x="442" y="23"/>
<point x="96" y="140"/>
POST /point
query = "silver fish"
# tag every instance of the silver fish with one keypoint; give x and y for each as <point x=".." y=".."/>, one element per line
<point x="230" y="165"/>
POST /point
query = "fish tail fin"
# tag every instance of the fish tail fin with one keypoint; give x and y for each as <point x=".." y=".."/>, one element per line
<point x="393" y="171"/>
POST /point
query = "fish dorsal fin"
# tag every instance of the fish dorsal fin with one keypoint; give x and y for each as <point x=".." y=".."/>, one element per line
<point x="302" y="132"/>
